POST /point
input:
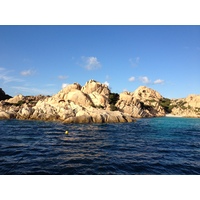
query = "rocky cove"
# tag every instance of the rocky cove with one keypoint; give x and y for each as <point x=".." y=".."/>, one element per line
<point x="95" y="103"/>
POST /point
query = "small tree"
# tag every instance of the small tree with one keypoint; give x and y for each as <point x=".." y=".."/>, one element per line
<point x="112" y="100"/>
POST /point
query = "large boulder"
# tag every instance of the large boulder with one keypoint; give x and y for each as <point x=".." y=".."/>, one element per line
<point x="94" y="86"/>
<point x="79" y="98"/>
<point x="98" y="99"/>
<point x="67" y="89"/>
<point x="15" y="99"/>
<point x="144" y="93"/>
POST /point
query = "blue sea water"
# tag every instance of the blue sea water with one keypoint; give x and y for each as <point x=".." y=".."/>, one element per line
<point x="158" y="146"/>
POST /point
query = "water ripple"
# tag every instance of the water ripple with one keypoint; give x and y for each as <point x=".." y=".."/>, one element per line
<point x="149" y="146"/>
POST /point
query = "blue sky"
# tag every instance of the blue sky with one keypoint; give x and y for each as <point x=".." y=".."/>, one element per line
<point x="41" y="59"/>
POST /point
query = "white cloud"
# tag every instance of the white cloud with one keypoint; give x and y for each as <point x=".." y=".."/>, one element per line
<point x="144" y="79"/>
<point x="158" y="81"/>
<point x="91" y="63"/>
<point x="27" y="72"/>
<point x="64" y="85"/>
<point x="62" y="77"/>
<point x="131" y="79"/>
<point x="134" y="62"/>
<point x="106" y="83"/>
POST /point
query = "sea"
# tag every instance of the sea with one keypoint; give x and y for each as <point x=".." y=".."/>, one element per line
<point x="149" y="146"/>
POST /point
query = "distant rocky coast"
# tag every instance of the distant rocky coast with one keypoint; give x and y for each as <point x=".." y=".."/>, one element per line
<point x="95" y="103"/>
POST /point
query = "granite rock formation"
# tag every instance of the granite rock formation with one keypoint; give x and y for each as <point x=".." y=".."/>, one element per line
<point x="73" y="104"/>
<point x="94" y="103"/>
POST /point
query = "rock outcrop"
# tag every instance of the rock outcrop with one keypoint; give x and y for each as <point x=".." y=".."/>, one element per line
<point x="144" y="102"/>
<point x="76" y="104"/>
<point x="73" y="104"/>
<point x="94" y="103"/>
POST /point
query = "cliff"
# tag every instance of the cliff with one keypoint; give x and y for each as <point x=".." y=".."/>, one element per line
<point x="94" y="103"/>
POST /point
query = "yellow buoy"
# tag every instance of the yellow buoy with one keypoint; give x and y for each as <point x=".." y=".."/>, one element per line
<point x="66" y="132"/>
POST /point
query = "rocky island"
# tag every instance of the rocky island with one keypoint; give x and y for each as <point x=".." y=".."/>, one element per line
<point x="95" y="103"/>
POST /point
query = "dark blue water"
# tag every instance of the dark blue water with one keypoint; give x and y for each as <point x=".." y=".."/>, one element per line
<point x="148" y="146"/>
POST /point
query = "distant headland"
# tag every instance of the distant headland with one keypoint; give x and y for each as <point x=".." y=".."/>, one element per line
<point x="95" y="103"/>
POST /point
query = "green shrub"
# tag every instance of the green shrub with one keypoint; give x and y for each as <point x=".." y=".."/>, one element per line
<point x="113" y="107"/>
<point x="181" y="103"/>
<point x="151" y="100"/>
<point x="113" y="98"/>
<point x="19" y="103"/>
<point x="165" y="103"/>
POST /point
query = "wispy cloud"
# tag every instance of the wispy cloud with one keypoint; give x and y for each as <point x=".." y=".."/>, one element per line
<point x="2" y="69"/>
<point x="28" y="72"/>
<point x="144" y="79"/>
<point x="6" y="78"/>
<point x="61" y="77"/>
<point x="131" y="79"/>
<point x="158" y="81"/>
<point x="49" y="85"/>
<point x="134" y="62"/>
<point x="91" y="63"/>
